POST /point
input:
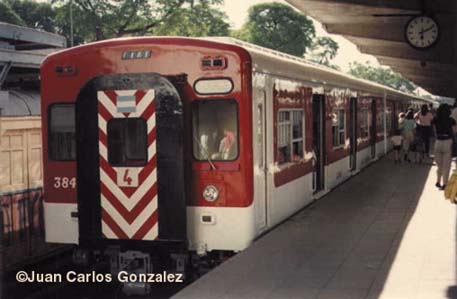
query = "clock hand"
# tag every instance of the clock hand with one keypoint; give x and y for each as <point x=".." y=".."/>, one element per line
<point x="426" y="30"/>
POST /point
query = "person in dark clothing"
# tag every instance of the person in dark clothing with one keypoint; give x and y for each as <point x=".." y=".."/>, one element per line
<point x="445" y="128"/>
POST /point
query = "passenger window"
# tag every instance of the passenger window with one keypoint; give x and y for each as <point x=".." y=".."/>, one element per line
<point x="127" y="142"/>
<point x="388" y="121"/>
<point x="364" y="127"/>
<point x="61" y="132"/>
<point x="338" y="128"/>
<point x="290" y="136"/>
<point x="259" y="136"/>
<point x="215" y="130"/>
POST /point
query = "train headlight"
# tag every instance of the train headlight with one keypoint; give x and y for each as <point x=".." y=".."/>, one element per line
<point x="210" y="193"/>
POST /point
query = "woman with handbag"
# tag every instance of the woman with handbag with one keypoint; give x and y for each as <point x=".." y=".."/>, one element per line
<point x="445" y="128"/>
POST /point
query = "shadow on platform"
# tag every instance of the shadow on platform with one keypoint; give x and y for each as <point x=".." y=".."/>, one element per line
<point x="385" y="233"/>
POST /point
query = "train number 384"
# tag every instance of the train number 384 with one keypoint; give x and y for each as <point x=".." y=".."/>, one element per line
<point x="64" y="182"/>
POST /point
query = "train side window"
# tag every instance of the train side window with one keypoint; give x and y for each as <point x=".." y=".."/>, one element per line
<point x="127" y="142"/>
<point x="61" y="138"/>
<point x="290" y="135"/>
<point x="338" y="128"/>
<point x="388" y="121"/>
<point x="364" y="129"/>
<point x="215" y="130"/>
<point x="260" y="135"/>
<point x="380" y="121"/>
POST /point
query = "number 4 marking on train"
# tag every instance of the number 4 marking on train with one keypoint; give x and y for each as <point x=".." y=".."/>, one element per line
<point x="127" y="179"/>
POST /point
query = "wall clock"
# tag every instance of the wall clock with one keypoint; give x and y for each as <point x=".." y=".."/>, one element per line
<point x="422" y="32"/>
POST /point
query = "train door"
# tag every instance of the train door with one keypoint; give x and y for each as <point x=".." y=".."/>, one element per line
<point x="319" y="142"/>
<point x="260" y="159"/>
<point x="353" y="133"/>
<point x="373" y="129"/>
<point x="130" y="174"/>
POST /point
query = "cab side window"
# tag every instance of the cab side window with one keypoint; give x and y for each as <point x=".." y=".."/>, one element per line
<point x="61" y="132"/>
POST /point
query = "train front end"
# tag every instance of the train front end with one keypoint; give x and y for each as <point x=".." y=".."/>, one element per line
<point x="147" y="147"/>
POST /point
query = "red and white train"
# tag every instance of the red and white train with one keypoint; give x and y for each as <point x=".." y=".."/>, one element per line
<point x="198" y="144"/>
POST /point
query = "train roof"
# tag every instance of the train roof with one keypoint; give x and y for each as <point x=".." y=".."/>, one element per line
<point x="20" y="103"/>
<point x="319" y="74"/>
<point x="268" y="61"/>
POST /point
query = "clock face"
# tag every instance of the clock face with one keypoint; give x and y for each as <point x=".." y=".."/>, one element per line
<point x="422" y="32"/>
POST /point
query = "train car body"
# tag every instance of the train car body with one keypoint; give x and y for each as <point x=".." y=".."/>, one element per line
<point x="21" y="180"/>
<point x="197" y="144"/>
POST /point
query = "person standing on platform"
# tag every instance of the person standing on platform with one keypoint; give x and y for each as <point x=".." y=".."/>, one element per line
<point x="424" y="128"/>
<point x="454" y="111"/>
<point x="433" y="137"/>
<point x="408" y="126"/>
<point x="401" y="119"/>
<point x="397" y="140"/>
<point x="454" y="117"/>
<point x="445" y="127"/>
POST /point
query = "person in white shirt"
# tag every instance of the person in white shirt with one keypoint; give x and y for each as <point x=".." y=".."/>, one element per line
<point x="424" y="129"/>
<point x="397" y="140"/>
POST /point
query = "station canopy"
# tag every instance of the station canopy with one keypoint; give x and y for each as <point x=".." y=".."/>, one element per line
<point x="377" y="27"/>
<point x="26" y="47"/>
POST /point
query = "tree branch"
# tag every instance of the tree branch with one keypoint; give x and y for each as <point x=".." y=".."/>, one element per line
<point x="154" y="23"/>
<point x="121" y="30"/>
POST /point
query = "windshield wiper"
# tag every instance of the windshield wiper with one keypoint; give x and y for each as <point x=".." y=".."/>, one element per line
<point x="207" y="153"/>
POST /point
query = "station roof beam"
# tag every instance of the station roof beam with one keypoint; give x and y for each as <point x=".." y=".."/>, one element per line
<point x="377" y="28"/>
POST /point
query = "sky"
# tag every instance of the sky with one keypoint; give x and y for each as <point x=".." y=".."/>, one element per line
<point x="237" y="11"/>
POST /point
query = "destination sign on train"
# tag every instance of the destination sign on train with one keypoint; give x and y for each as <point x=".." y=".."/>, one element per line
<point x="143" y="54"/>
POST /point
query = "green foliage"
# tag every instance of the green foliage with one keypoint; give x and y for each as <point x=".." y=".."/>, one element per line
<point x="381" y="75"/>
<point x="7" y="15"/>
<point x="83" y="26"/>
<point x="323" y="50"/>
<point x="199" y="20"/>
<point x="279" y="27"/>
<point x="101" y="19"/>
<point x="242" y="34"/>
<point x="37" y="15"/>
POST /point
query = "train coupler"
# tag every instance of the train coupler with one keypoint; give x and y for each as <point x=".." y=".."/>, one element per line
<point x="81" y="257"/>
<point x="135" y="262"/>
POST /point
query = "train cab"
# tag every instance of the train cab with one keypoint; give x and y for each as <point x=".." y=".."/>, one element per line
<point x="148" y="146"/>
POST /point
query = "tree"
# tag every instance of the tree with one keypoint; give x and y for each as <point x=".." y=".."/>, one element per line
<point x="324" y="49"/>
<point x="34" y="14"/>
<point x="197" y="20"/>
<point x="83" y="24"/>
<point x="381" y="75"/>
<point x="7" y="15"/>
<point x="106" y="19"/>
<point x="279" y="27"/>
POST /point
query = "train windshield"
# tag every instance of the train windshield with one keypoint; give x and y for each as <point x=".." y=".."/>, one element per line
<point x="127" y="142"/>
<point x="215" y="129"/>
<point x="62" y="142"/>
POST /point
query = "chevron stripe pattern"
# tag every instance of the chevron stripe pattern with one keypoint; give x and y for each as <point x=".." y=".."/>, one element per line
<point x="128" y="212"/>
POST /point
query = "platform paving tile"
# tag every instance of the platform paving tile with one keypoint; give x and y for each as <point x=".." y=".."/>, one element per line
<point x="387" y="233"/>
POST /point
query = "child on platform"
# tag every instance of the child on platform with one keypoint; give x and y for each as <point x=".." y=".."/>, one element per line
<point x="397" y="140"/>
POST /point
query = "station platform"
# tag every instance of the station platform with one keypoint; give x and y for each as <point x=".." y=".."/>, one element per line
<point x="385" y="233"/>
